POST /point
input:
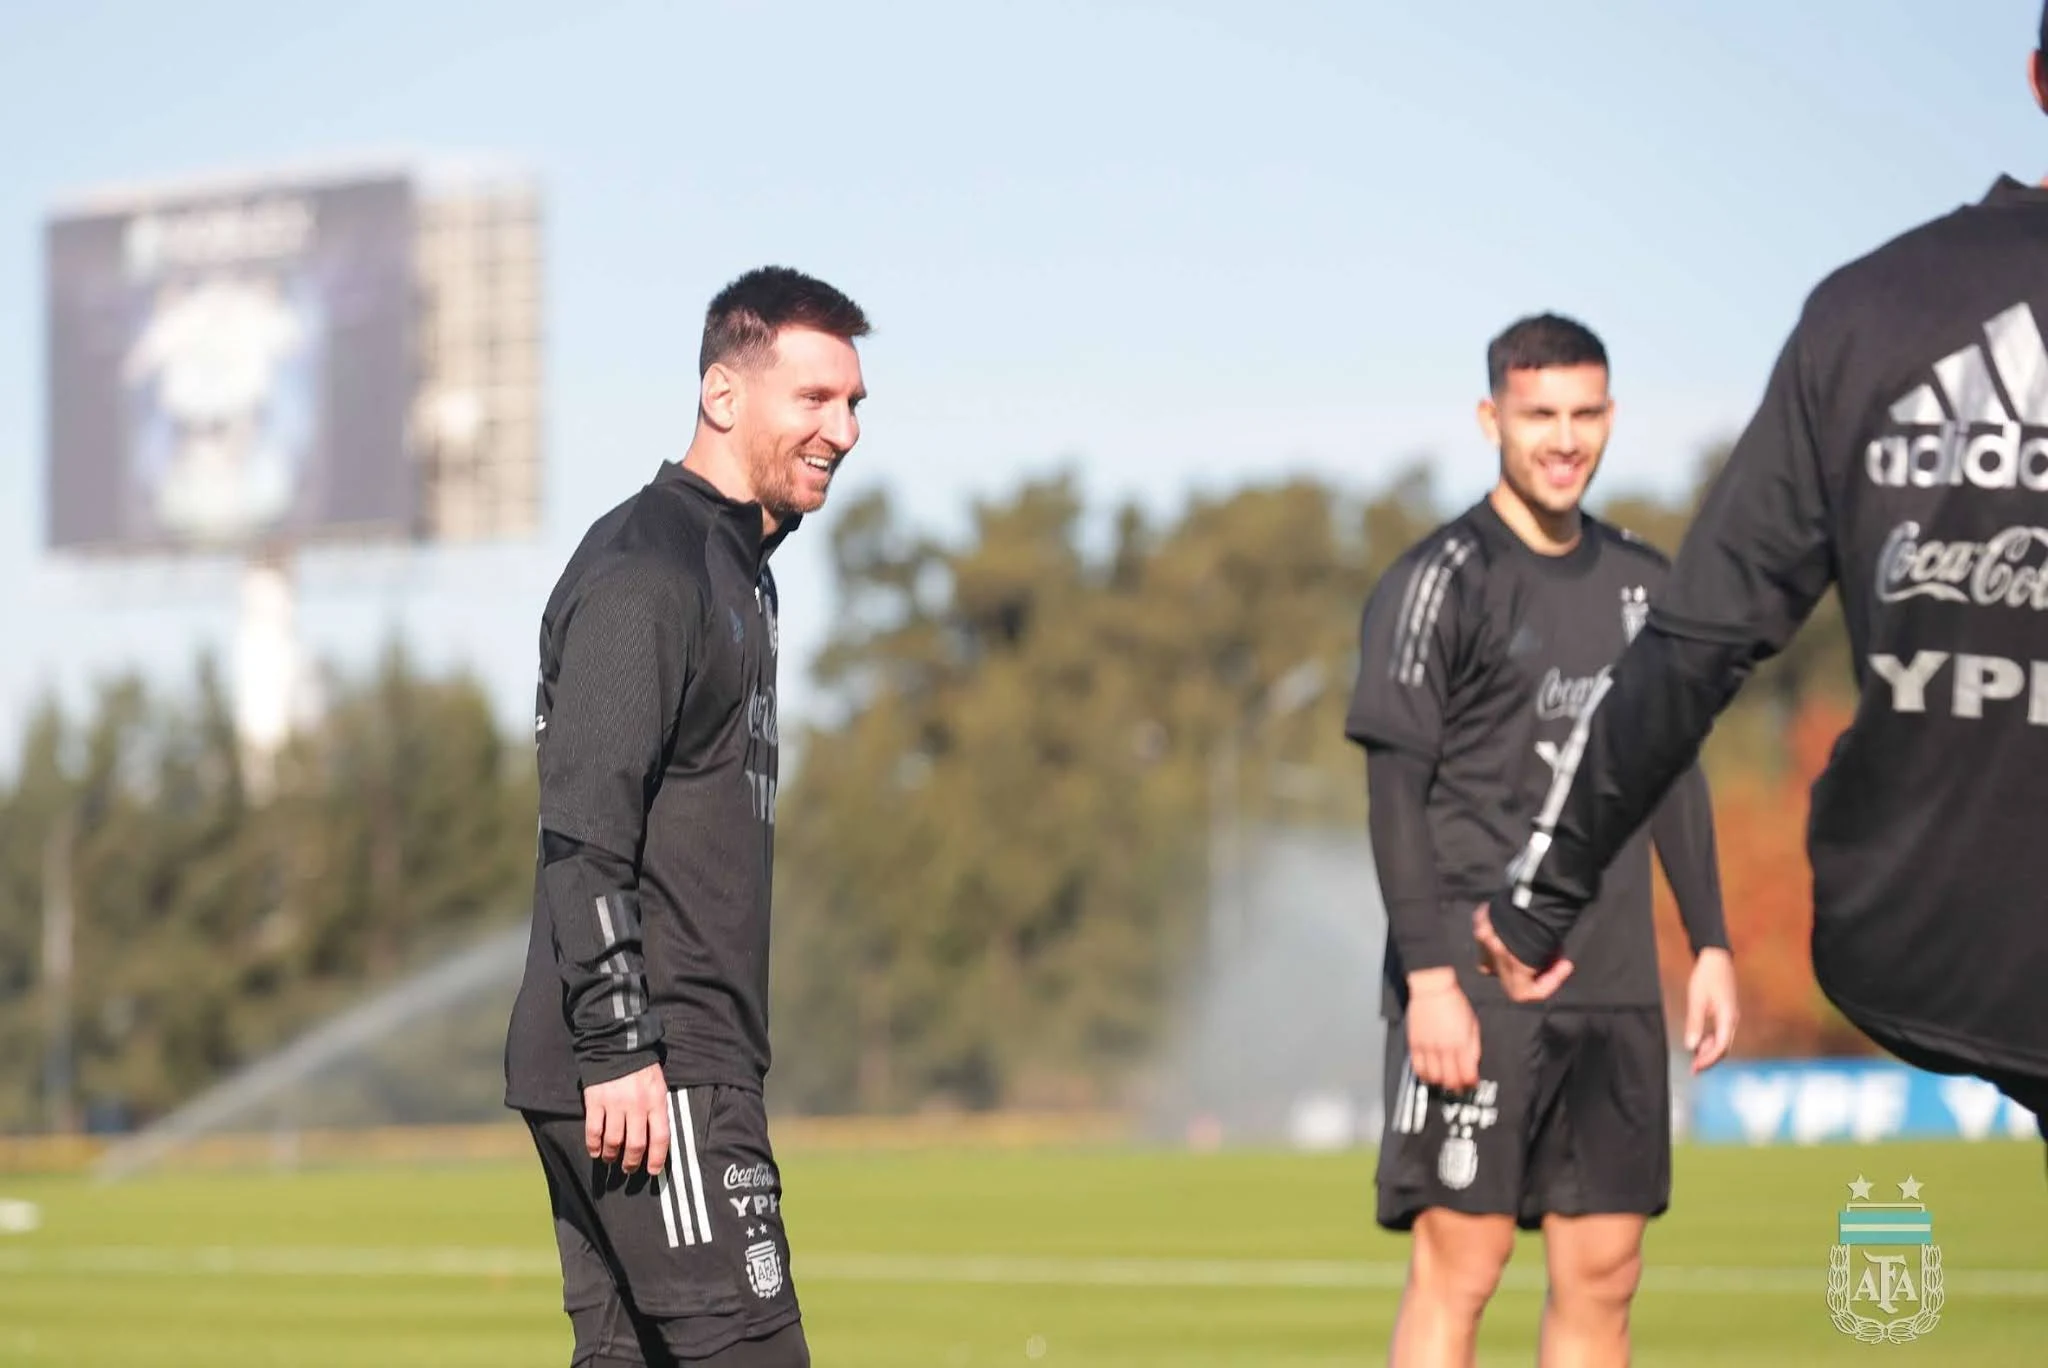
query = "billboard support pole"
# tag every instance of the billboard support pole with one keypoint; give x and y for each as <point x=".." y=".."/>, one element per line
<point x="266" y="665"/>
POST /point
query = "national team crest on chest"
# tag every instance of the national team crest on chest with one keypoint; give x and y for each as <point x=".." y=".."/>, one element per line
<point x="1635" y="609"/>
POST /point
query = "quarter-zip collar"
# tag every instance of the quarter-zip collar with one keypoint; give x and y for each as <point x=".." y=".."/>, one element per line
<point x="744" y="516"/>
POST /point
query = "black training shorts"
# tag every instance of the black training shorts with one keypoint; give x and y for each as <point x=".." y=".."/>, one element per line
<point x="1571" y="1117"/>
<point x="683" y="1265"/>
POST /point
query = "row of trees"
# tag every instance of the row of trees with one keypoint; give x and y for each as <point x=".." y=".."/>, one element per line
<point x="208" y="928"/>
<point x="993" y="854"/>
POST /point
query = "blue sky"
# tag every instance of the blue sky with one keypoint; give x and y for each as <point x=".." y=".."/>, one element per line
<point x="1178" y="246"/>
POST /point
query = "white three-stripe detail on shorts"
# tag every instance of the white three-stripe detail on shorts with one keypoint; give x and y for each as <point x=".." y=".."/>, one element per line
<point x="1414" y="1101"/>
<point x="695" y="1183"/>
<point x="672" y="1181"/>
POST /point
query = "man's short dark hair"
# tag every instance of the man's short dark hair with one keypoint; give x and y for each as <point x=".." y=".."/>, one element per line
<point x="744" y="317"/>
<point x="2043" y="48"/>
<point x="1540" y="343"/>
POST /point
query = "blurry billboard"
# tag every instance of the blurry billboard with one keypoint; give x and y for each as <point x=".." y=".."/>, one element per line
<point x="231" y="368"/>
<point x="290" y="359"/>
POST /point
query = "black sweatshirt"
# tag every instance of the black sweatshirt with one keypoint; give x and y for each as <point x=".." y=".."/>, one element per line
<point x="656" y="735"/>
<point x="1477" y="656"/>
<point x="1900" y="453"/>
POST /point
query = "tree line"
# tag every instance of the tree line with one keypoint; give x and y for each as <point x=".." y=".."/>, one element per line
<point x="993" y="847"/>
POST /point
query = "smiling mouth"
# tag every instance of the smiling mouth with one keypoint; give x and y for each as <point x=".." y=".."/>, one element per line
<point x="823" y="463"/>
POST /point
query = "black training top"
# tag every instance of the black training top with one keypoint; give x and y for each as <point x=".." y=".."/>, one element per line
<point x="1479" y="660"/>
<point x="655" y="727"/>
<point x="1901" y="454"/>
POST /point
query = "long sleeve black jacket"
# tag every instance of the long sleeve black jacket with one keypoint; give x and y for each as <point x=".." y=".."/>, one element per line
<point x="655" y="729"/>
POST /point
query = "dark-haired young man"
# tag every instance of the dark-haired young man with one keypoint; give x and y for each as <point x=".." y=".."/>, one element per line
<point x="1481" y="647"/>
<point x="638" y="1045"/>
<point x="1900" y="453"/>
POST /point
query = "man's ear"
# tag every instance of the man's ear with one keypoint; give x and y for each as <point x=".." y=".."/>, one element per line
<point x="1489" y="421"/>
<point x="718" y="397"/>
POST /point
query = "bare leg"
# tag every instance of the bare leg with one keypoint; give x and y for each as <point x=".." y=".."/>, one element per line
<point x="1595" y="1264"/>
<point x="1453" y="1267"/>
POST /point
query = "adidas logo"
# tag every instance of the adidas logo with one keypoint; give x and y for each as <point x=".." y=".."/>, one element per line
<point x="1983" y="422"/>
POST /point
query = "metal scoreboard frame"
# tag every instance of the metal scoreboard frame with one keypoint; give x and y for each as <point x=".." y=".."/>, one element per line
<point x="246" y="363"/>
<point x="477" y="418"/>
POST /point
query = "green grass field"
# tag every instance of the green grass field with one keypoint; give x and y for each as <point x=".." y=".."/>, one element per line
<point x="1115" y="1259"/>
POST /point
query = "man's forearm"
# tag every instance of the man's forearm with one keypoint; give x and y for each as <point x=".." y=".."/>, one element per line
<point x="1405" y="857"/>
<point x="595" y="907"/>
<point x="1683" y="831"/>
<point x="1656" y="709"/>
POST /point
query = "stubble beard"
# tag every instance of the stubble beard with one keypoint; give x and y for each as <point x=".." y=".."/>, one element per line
<point x="774" y="482"/>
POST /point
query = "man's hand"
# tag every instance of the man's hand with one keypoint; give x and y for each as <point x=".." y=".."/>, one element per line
<point x="625" y="1121"/>
<point x="1710" y="1008"/>
<point x="1443" y="1030"/>
<point x="1517" y="980"/>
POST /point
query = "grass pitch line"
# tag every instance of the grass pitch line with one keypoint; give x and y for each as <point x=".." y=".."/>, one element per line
<point x="994" y="1270"/>
<point x="1334" y="1273"/>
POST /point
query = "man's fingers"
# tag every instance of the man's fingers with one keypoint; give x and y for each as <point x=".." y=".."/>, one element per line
<point x="1715" y="1035"/>
<point x="1443" y="1067"/>
<point x="1517" y="980"/>
<point x="1490" y="946"/>
<point x="1468" y="1062"/>
<point x="1723" y="1035"/>
<point x="614" y="1135"/>
<point x="657" y="1137"/>
<point x="1551" y="979"/>
<point x="593" y="1128"/>
<point x="1452" y="1065"/>
<point x="634" y="1153"/>
<point x="1695" y="1021"/>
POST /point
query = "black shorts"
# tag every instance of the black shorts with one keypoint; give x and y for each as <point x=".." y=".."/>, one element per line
<point x="683" y="1265"/>
<point x="1572" y="1117"/>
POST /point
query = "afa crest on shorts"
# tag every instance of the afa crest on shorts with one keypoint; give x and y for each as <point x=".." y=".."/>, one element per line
<point x="1457" y="1163"/>
<point x="764" y="1268"/>
<point x="1885" y="1261"/>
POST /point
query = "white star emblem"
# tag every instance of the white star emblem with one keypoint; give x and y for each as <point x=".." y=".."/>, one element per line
<point x="1860" y="1189"/>
<point x="1910" y="1189"/>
